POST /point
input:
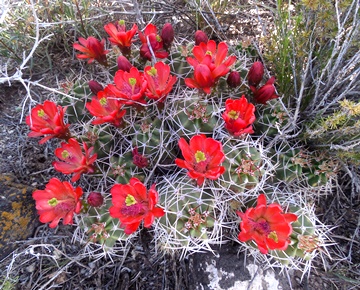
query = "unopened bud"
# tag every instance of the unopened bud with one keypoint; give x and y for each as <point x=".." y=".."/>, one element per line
<point x="256" y="74"/>
<point x="233" y="79"/>
<point x="123" y="63"/>
<point x="200" y="36"/>
<point x="167" y="35"/>
<point x="95" y="87"/>
<point x="95" y="199"/>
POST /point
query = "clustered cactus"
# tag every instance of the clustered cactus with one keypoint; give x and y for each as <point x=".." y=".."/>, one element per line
<point x="176" y="126"/>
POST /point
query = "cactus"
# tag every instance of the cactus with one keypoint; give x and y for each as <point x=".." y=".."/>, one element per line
<point x="190" y="220"/>
<point x="270" y="120"/>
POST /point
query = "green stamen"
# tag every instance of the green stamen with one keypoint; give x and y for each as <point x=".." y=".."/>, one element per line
<point x="132" y="81"/>
<point x="233" y="115"/>
<point x="121" y="22"/>
<point x="65" y="154"/>
<point x="130" y="200"/>
<point x="200" y="156"/>
<point x="152" y="72"/>
<point x="41" y="113"/>
<point x="53" y="201"/>
<point x="103" y="101"/>
<point x="158" y="38"/>
<point x="273" y="236"/>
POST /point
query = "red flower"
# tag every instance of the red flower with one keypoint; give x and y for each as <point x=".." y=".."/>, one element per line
<point x="138" y="159"/>
<point x="95" y="87"/>
<point x="203" y="79"/>
<point x="92" y="49"/>
<point x="200" y="36"/>
<point x="151" y="37"/>
<point x="129" y="86"/>
<point x="159" y="81"/>
<point x="119" y="36"/>
<point x="202" y="158"/>
<point x="239" y="116"/>
<point x="167" y="35"/>
<point x="255" y="74"/>
<point x="233" y="80"/>
<point x="58" y="200"/>
<point x="268" y="226"/>
<point x="106" y="108"/>
<point x="95" y="199"/>
<point x="218" y="57"/>
<point x="265" y="93"/>
<point x="124" y="64"/>
<point x="132" y="204"/>
<point x="73" y="159"/>
<point x="48" y="119"/>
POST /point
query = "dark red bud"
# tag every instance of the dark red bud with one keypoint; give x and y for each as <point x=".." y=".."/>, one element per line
<point x="95" y="199"/>
<point x="138" y="159"/>
<point x="95" y="87"/>
<point x="123" y="63"/>
<point x="167" y="35"/>
<point x="233" y="79"/>
<point x="256" y="74"/>
<point x="200" y="37"/>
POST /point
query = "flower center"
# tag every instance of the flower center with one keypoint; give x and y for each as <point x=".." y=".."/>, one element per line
<point x="103" y="101"/>
<point x="132" y="210"/>
<point x="66" y="206"/>
<point x="132" y="81"/>
<point x="152" y="72"/>
<point x="158" y="38"/>
<point x="53" y="201"/>
<point x="41" y="113"/>
<point x="121" y="22"/>
<point x="233" y="114"/>
<point x="200" y="156"/>
<point x="263" y="228"/>
<point x="209" y="52"/>
<point x="130" y="200"/>
<point x="65" y="154"/>
<point x="273" y="236"/>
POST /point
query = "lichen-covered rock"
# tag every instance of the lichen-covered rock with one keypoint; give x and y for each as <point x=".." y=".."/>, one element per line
<point x="18" y="217"/>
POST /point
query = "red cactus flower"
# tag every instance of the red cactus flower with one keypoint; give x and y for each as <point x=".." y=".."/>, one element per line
<point x="151" y="37"/>
<point x="59" y="200"/>
<point x="167" y="35"/>
<point x="92" y="49"/>
<point x="74" y="160"/>
<point x="218" y="56"/>
<point x="139" y="160"/>
<point x="239" y="116"/>
<point x="124" y="64"/>
<point x="120" y="37"/>
<point x="203" y="157"/>
<point x="95" y="199"/>
<point x="132" y="203"/>
<point x="203" y="79"/>
<point x="106" y="108"/>
<point x="255" y="74"/>
<point x="233" y="80"/>
<point x="95" y="87"/>
<point x="267" y="225"/>
<point x="48" y="119"/>
<point x="159" y="81"/>
<point x="265" y="93"/>
<point x="200" y="36"/>
<point x="129" y="86"/>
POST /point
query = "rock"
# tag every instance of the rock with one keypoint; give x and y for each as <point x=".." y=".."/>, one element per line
<point x="18" y="217"/>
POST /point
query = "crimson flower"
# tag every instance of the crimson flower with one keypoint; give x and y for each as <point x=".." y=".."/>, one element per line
<point x="59" y="200"/>
<point x="120" y="37"/>
<point x="255" y="74"/>
<point x="106" y="108"/>
<point x="139" y="160"/>
<point x="239" y="116"/>
<point x="132" y="203"/>
<point x="129" y="86"/>
<point x="124" y="64"/>
<point x="93" y="49"/>
<point x="150" y="36"/>
<point x="167" y="35"/>
<point x="233" y="80"/>
<point x="202" y="158"/>
<point x="265" y="93"/>
<point x="200" y="36"/>
<point x="48" y="119"/>
<point x="159" y="81"/>
<point x="74" y="160"/>
<point x="267" y="225"/>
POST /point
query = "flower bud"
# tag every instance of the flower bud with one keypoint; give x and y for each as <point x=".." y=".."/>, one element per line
<point x="95" y="199"/>
<point x="265" y="93"/>
<point x="256" y="74"/>
<point x="138" y="159"/>
<point x="167" y="35"/>
<point x="200" y="36"/>
<point x="124" y="64"/>
<point x="95" y="87"/>
<point x="233" y="79"/>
